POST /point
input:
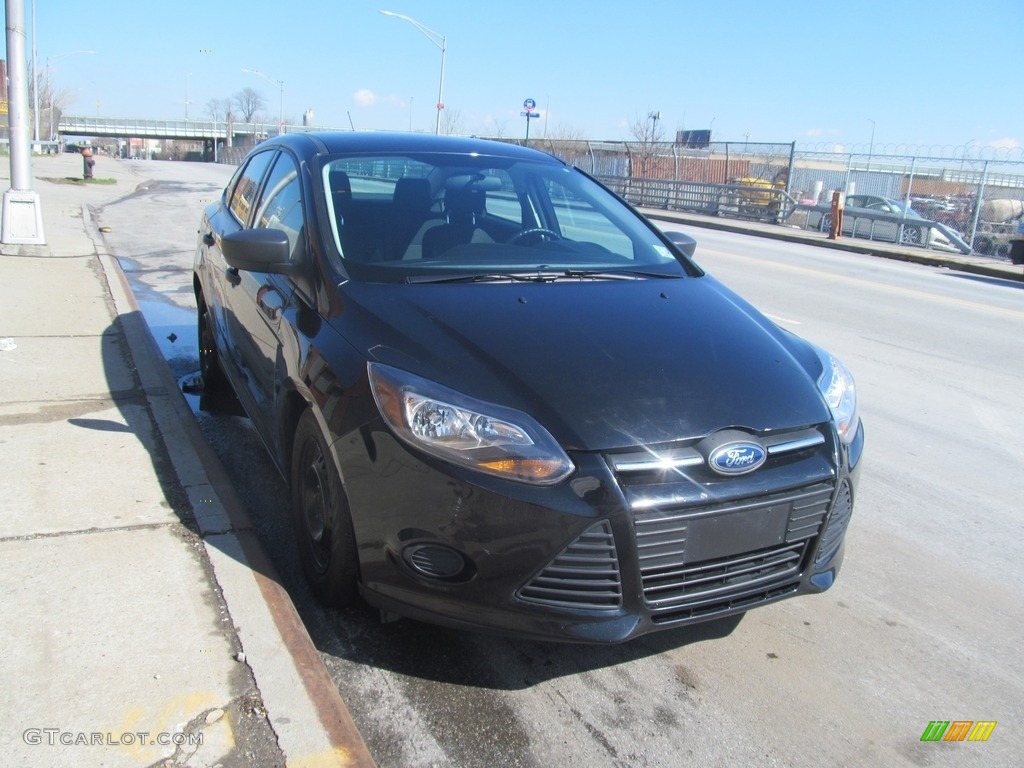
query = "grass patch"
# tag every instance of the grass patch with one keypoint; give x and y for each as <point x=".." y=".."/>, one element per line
<point x="79" y="181"/>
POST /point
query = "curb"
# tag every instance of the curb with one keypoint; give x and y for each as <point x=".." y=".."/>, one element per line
<point x="304" y="708"/>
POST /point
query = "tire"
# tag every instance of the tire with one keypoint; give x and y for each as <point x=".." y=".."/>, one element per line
<point x="984" y="245"/>
<point x="825" y="223"/>
<point x="214" y="381"/>
<point x="910" y="235"/>
<point x="321" y="518"/>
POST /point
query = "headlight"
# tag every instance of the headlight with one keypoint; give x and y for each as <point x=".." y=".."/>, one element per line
<point x="836" y="384"/>
<point x="451" y="426"/>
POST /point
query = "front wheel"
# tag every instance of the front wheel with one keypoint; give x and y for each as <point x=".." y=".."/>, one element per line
<point x="825" y="224"/>
<point x="911" y="235"/>
<point x="214" y="381"/>
<point x="320" y="515"/>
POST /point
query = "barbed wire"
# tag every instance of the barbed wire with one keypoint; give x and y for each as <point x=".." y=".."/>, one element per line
<point x="968" y="151"/>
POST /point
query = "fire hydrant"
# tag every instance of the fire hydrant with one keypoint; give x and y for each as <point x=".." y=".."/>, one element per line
<point x="87" y="163"/>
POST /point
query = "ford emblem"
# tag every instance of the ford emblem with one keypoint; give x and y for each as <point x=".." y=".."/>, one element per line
<point x="737" y="458"/>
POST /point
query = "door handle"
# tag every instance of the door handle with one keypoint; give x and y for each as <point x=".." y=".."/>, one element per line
<point x="270" y="302"/>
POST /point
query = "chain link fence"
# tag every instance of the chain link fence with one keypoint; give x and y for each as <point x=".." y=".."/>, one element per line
<point x="982" y="200"/>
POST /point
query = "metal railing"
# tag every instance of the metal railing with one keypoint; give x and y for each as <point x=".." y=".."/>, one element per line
<point x="978" y="201"/>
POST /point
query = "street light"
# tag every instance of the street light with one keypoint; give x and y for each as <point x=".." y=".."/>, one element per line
<point x="871" y="146"/>
<point x="441" y="42"/>
<point x="49" y="82"/>
<point x="280" y="85"/>
<point x="655" y="117"/>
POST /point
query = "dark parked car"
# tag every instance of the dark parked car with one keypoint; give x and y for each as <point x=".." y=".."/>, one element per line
<point x="504" y="400"/>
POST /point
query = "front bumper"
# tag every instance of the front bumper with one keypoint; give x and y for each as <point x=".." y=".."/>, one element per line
<point x="611" y="554"/>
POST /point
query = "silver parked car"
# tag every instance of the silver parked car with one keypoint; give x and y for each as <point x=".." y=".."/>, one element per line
<point x="888" y="220"/>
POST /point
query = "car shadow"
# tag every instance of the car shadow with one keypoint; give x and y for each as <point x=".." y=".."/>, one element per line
<point x="354" y="636"/>
<point x="475" y="660"/>
<point x="119" y="350"/>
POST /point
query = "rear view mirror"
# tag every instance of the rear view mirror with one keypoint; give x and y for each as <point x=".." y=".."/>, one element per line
<point x="258" y="250"/>
<point x="684" y="242"/>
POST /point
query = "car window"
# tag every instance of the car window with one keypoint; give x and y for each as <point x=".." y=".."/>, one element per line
<point x="248" y="185"/>
<point x="412" y="217"/>
<point x="578" y="219"/>
<point x="281" y="204"/>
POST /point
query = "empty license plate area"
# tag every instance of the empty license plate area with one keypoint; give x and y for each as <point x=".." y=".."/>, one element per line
<point x="722" y="534"/>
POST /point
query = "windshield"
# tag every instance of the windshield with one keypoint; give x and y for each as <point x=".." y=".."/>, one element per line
<point x="901" y="208"/>
<point x="412" y="218"/>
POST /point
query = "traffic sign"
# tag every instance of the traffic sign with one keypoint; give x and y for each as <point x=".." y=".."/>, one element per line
<point x="530" y="114"/>
<point x="529" y="105"/>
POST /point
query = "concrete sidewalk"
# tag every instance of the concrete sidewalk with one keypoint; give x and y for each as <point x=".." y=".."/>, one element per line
<point x="142" y="623"/>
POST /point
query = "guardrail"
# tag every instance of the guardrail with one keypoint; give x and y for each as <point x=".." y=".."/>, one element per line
<point x="757" y="203"/>
<point x="884" y="227"/>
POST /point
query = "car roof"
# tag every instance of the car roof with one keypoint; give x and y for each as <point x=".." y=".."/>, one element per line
<point x="372" y="142"/>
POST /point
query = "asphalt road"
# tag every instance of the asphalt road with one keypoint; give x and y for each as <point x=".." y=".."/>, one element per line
<point x="924" y="623"/>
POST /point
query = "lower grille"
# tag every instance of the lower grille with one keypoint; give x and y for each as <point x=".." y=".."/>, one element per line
<point x="738" y="553"/>
<point x="585" y="575"/>
<point x="727" y="583"/>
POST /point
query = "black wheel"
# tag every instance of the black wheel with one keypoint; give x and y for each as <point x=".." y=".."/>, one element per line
<point x="320" y="514"/>
<point x="825" y="224"/>
<point x="214" y="381"/>
<point x="539" y="233"/>
<point x="984" y="245"/>
<point x="910" y="235"/>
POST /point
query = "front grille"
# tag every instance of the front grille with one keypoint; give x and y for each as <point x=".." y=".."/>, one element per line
<point x="706" y="559"/>
<point x="585" y="575"/>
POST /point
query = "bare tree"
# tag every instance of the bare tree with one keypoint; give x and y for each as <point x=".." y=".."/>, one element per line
<point x="51" y="104"/>
<point x="566" y="143"/>
<point x="219" y="110"/>
<point x="646" y="130"/>
<point x="451" y="122"/>
<point x="498" y="129"/>
<point x="644" y="153"/>
<point x="249" y="101"/>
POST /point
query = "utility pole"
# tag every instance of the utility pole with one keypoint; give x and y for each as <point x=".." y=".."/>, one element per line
<point x="22" y="216"/>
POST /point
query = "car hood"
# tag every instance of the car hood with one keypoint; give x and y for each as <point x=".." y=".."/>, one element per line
<point x="601" y="364"/>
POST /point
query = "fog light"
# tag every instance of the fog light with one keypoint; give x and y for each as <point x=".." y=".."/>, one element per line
<point x="434" y="561"/>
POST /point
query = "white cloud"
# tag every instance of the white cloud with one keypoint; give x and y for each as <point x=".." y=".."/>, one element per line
<point x="364" y="97"/>
<point x="1004" y="144"/>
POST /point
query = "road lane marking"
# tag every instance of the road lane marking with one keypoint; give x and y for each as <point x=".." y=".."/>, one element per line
<point x="1016" y="313"/>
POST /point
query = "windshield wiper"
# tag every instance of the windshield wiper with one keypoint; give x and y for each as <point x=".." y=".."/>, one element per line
<point x="618" y="274"/>
<point x="487" y="277"/>
<point x="541" y="276"/>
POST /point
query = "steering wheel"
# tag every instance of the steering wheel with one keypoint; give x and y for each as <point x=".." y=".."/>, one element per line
<point x="540" y="233"/>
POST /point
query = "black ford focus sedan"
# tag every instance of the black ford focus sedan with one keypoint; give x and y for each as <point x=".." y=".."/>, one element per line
<point x="503" y="400"/>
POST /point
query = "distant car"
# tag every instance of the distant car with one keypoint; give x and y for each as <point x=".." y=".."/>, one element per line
<point x="505" y="400"/>
<point x="887" y="220"/>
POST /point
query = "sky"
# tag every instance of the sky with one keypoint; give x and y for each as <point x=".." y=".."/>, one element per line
<point x="942" y="77"/>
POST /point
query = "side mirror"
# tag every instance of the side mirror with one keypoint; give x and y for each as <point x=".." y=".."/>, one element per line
<point x="258" y="250"/>
<point x="684" y="242"/>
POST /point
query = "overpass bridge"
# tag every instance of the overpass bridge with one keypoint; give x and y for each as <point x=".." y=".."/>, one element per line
<point x="196" y="130"/>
